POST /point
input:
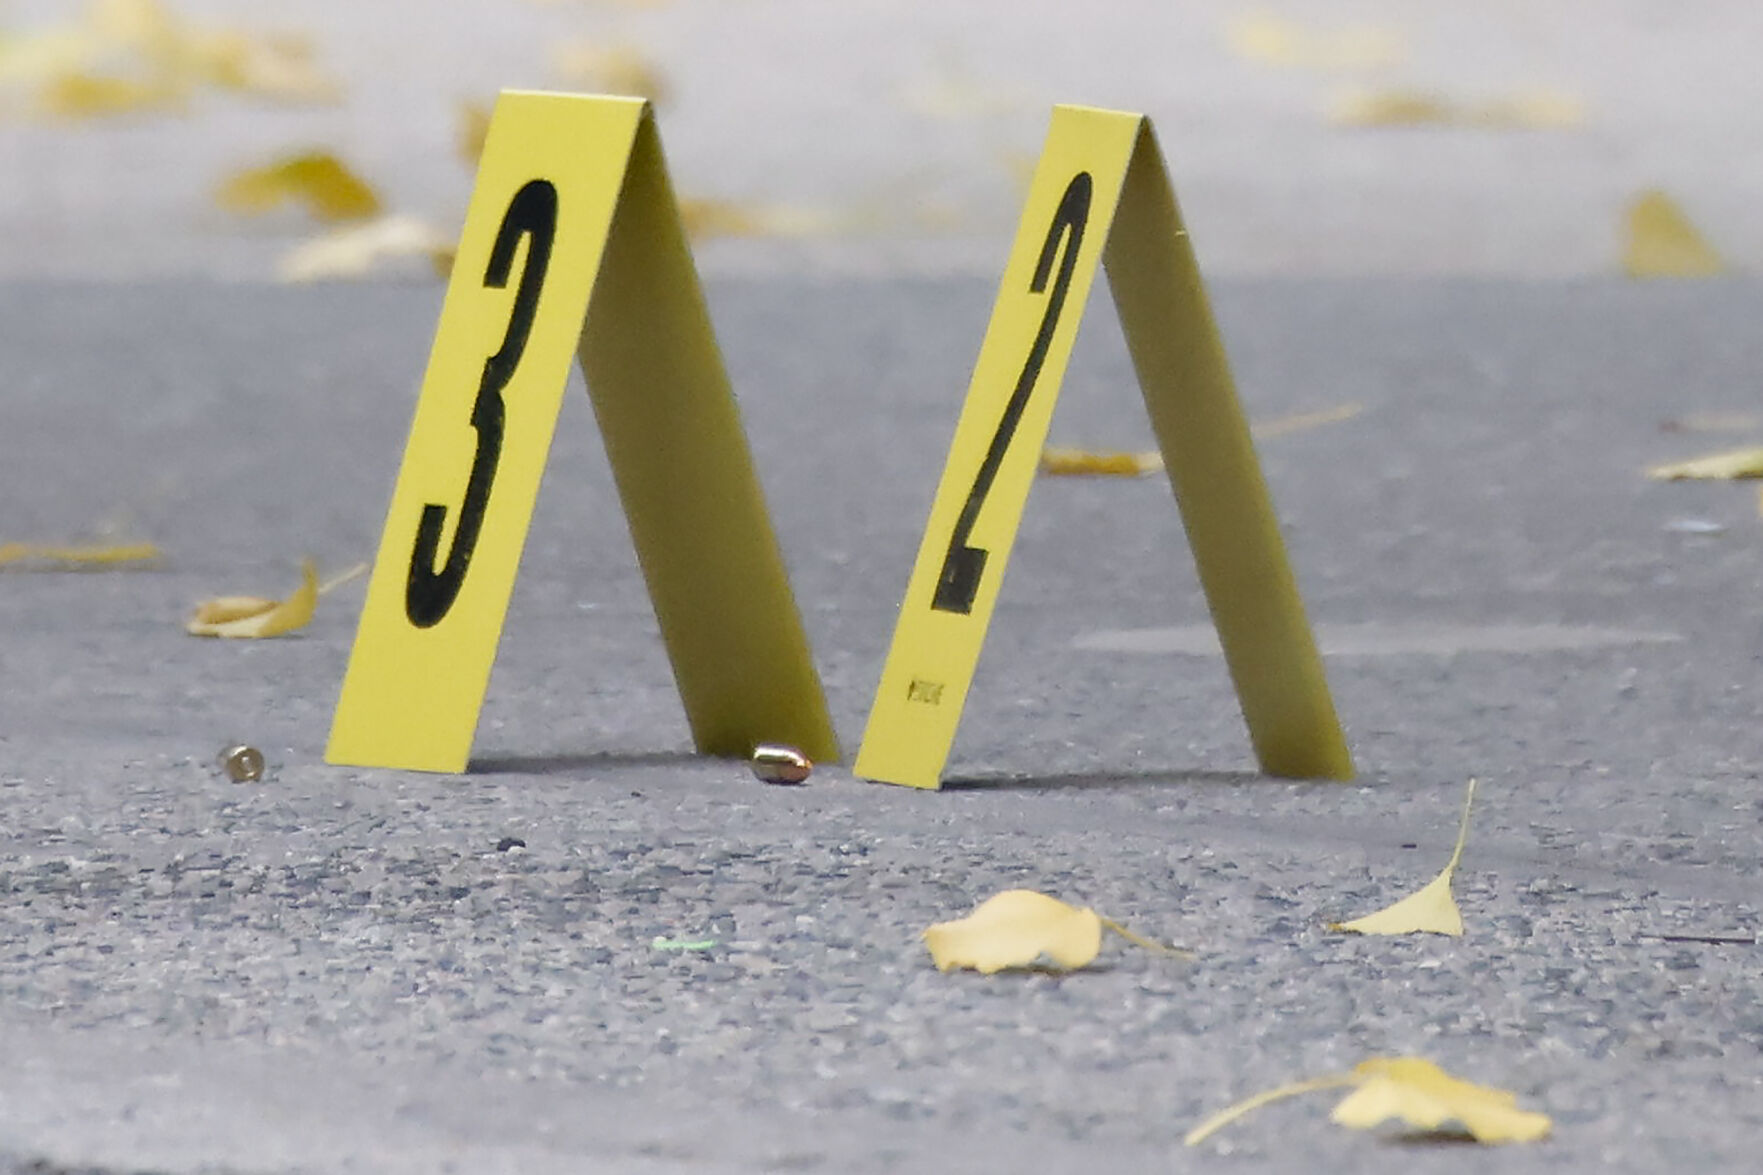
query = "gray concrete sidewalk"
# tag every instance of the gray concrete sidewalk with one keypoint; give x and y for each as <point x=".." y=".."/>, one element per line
<point x="336" y="969"/>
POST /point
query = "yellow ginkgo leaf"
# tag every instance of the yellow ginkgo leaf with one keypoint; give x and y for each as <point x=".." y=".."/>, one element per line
<point x="317" y="179"/>
<point x="253" y="616"/>
<point x="34" y="58"/>
<point x="1017" y="928"/>
<point x="357" y="251"/>
<point x="707" y="217"/>
<point x="1274" y="40"/>
<point x="1660" y="241"/>
<point x="615" y="69"/>
<point x="1057" y="461"/>
<point x="470" y="130"/>
<point x="1430" y="910"/>
<point x="1391" y="108"/>
<point x="282" y="67"/>
<point x="77" y="557"/>
<point x="79" y="94"/>
<point x="138" y="24"/>
<point x="1413" y="1090"/>
<point x="1739" y="463"/>
<point x="1023" y="928"/>
<point x="1060" y="461"/>
<point x="1281" y="426"/>
<point x="1531" y="110"/>
<point x="1420" y="1094"/>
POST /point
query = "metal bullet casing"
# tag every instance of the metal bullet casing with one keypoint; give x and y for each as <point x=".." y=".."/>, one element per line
<point x="242" y="764"/>
<point x="779" y="764"/>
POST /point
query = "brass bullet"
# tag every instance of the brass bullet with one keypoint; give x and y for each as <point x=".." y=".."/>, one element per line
<point x="242" y="764"/>
<point x="776" y="763"/>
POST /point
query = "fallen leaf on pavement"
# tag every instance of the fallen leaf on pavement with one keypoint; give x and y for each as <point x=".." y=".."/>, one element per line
<point x="316" y="179"/>
<point x="1273" y="40"/>
<point x="706" y="217"/>
<point x="1412" y="1090"/>
<point x="1429" y="910"/>
<point x="470" y="130"/>
<point x="1057" y="461"/>
<point x="1061" y="461"/>
<point x="616" y="69"/>
<point x="254" y="616"/>
<point x="1739" y="463"/>
<point x="124" y="56"/>
<point x="279" y="66"/>
<point x="1281" y="426"/>
<point x="1540" y="110"/>
<point x="1660" y="241"/>
<point x="34" y="57"/>
<point x="78" y="94"/>
<point x="77" y="556"/>
<point x="358" y="251"/>
<point x="1019" y="928"/>
<point x="954" y="94"/>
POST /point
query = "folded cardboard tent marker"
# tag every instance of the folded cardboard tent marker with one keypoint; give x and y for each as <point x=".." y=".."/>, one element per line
<point x="1101" y="195"/>
<point x="573" y="246"/>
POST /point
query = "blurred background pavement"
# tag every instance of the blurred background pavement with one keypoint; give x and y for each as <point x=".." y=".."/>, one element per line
<point x="1338" y="137"/>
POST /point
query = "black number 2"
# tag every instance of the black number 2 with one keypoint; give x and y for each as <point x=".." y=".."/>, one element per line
<point x="429" y="594"/>
<point x="958" y="582"/>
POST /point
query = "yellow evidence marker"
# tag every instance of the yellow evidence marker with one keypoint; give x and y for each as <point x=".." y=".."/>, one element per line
<point x="573" y="247"/>
<point x="1101" y="192"/>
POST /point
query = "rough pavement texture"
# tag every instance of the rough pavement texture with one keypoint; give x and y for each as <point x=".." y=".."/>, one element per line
<point x="336" y="969"/>
<point x="901" y="128"/>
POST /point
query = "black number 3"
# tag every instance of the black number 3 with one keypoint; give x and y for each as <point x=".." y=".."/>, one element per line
<point x="958" y="582"/>
<point x="429" y="594"/>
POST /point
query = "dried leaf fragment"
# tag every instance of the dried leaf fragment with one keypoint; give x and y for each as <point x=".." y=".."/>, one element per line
<point x="616" y="69"/>
<point x="105" y="555"/>
<point x="1420" y="1094"/>
<point x="1017" y="928"/>
<point x="1062" y="461"/>
<point x="318" y="180"/>
<point x="470" y="130"/>
<point x="706" y="217"/>
<point x="1411" y="1089"/>
<point x="38" y="56"/>
<point x="1660" y="241"/>
<point x="357" y="251"/>
<point x="133" y="55"/>
<point x="1733" y="465"/>
<point x="1022" y="928"/>
<point x="1429" y="910"/>
<point x="1281" y="426"/>
<point x="282" y="66"/>
<point x="77" y="94"/>
<point x="1273" y="40"/>
<point x="1058" y="461"/>
<point x="254" y="616"/>
<point x="1534" y="110"/>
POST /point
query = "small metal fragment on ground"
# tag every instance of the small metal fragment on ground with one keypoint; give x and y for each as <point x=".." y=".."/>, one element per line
<point x="509" y="842"/>
<point x="776" y="763"/>
<point x="663" y="943"/>
<point x="242" y="764"/>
